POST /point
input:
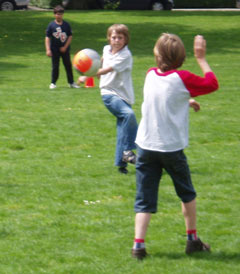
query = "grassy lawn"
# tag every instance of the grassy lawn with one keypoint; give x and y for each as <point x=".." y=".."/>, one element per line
<point x="63" y="206"/>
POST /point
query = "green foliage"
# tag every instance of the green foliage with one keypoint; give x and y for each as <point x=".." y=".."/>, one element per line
<point x="45" y="3"/>
<point x="111" y="5"/>
<point x="63" y="206"/>
<point x="205" y="4"/>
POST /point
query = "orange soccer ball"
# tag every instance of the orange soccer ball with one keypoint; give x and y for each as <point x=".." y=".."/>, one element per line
<point x="87" y="62"/>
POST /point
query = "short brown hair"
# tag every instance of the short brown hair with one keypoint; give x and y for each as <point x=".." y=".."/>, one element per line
<point x="169" y="52"/>
<point x="120" y="29"/>
<point x="58" y="9"/>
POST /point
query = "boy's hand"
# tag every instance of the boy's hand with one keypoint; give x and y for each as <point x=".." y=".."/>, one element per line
<point x="199" y="47"/>
<point x="194" y="104"/>
<point x="49" y="53"/>
<point x="63" y="49"/>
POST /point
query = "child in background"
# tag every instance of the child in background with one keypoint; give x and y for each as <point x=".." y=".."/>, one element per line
<point x="57" y="43"/>
<point x="117" y="92"/>
<point x="163" y="135"/>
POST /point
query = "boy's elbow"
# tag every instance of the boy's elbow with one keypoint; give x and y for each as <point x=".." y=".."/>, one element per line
<point x="215" y="85"/>
<point x="213" y="82"/>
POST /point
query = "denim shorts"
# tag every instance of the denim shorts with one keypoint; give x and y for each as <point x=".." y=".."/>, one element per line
<point x="149" y="167"/>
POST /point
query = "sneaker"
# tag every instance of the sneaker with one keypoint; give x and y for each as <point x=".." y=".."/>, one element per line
<point x="196" y="246"/>
<point x="139" y="253"/>
<point x="129" y="157"/>
<point x="74" y="85"/>
<point x="123" y="170"/>
<point x="52" y="86"/>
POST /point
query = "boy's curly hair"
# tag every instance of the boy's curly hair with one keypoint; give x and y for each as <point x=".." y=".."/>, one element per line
<point x="169" y="52"/>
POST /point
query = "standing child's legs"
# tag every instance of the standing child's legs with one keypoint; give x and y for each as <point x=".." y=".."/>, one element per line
<point x="177" y="167"/>
<point x="148" y="175"/>
<point x="68" y="66"/>
<point x="55" y="66"/>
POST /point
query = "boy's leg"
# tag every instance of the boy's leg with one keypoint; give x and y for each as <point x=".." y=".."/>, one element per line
<point x="148" y="175"/>
<point x="55" y="66"/>
<point x="68" y="66"/>
<point x="119" y="145"/>
<point x="189" y="213"/>
<point x="142" y="221"/>
<point x="126" y="125"/>
<point x="177" y="167"/>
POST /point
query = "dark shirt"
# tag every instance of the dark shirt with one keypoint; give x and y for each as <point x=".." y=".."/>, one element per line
<point x="58" y="34"/>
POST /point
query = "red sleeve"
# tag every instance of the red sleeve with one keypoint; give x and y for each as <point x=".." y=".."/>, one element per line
<point x="197" y="85"/>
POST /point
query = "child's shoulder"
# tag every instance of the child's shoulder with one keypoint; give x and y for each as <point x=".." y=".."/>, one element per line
<point x="107" y="47"/>
<point x="158" y="72"/>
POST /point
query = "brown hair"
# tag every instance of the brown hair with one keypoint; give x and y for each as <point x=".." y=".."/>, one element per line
<point x="169" y="52"/>
<point x="58" y="9"/>
<point x="120" y="29"/>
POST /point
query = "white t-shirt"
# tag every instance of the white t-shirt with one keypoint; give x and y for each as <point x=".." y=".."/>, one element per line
<point x="118" y="81"/>
<point x="165" y="109"/>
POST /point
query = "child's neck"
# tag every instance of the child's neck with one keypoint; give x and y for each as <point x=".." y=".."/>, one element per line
<point x="115" y="50"/>
<point x="59" y="22"/>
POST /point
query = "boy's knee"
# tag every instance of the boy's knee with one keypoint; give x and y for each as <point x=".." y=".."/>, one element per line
<point x="131" y="114"/>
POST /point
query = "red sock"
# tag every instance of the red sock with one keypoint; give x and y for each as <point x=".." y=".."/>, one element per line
<point x="192" y="234"/>
<point x="139" y="243"/>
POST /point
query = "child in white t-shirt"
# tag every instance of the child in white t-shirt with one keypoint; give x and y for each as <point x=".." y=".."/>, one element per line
<point x="163" y="134"/>
<point x="118" y="94"/>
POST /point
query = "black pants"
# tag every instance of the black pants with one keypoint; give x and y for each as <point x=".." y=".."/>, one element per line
<point x="56" y="54"/>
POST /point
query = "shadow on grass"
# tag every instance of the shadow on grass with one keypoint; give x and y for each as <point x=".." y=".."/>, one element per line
<point x="27" y="31"/>
<point x="11" y="66"/>
<point x="212" y="256"/>
<point x="23" y="34"/>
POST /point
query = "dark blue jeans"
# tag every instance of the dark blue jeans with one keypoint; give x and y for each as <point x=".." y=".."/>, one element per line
<point x="126" y="125"/>
<point x="149" y="167"/>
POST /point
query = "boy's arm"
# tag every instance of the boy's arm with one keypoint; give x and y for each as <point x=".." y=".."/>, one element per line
<point x="67" y="44"/>
<point x="200" y="53"/>
<point x="102" y="71"/>
<point x="47" y="46"/>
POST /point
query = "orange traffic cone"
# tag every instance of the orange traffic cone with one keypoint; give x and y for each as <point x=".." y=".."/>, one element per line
<point x="89" y="83"/>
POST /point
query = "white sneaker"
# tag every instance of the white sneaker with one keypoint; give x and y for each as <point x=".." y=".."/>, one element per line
<point x="74" y="85"/>
<point x="52" y="86"/>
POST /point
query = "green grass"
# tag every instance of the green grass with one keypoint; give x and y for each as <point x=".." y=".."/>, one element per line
<point x="63" y="206"/>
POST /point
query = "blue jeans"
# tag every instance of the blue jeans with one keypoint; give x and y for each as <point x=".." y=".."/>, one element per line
<point x="126" y="125"/>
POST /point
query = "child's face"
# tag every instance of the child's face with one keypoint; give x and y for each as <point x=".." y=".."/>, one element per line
<point x="117" y="41"/>
<point x="58" y="16"/>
